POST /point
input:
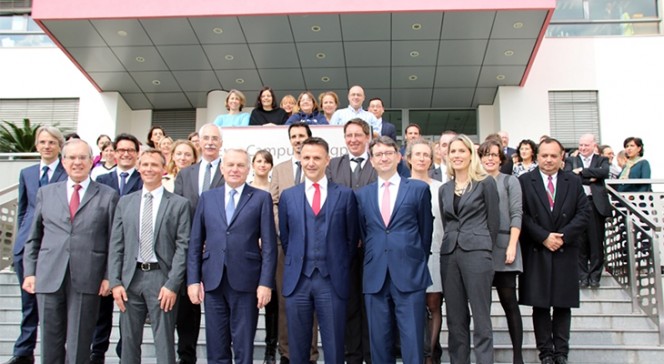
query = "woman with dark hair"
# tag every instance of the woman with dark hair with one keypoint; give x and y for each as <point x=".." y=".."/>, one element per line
<point x="107" y="163"/>
<point x="262" y="164"/>
<point x="636" y="167"/>
<point x="507" y="261"/>
<point x="154" y="136"/>
<point x="235" y="101"/>
<point x="527" y="155"/>
<point x="101" y="140"/>
<point x="308" y="111"/>
<point x="266" y="111"/>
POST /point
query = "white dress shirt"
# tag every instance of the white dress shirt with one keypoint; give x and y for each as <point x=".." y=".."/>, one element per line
<point x="395" y="180"/>
<point x="202" y="166"/>
<point x="157" y="194"/>
<point x="309" y="191"/>
<point x="70" y="188"/>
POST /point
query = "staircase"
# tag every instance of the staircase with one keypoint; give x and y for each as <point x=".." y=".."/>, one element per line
<point x="604" y="330"/>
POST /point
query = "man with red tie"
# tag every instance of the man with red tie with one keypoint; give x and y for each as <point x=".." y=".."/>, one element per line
<point x="318" y="250"/>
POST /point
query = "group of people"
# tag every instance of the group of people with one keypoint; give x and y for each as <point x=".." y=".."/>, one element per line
<point x="363" y="247"/>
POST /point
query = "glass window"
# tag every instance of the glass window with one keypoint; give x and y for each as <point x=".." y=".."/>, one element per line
<point x="433" y="122"/>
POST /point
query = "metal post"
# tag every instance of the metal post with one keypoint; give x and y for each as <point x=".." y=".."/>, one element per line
<point x="633" y="272"/>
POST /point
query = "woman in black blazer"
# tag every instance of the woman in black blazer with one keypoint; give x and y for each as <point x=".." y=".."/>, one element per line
<point x="469" y="208"/>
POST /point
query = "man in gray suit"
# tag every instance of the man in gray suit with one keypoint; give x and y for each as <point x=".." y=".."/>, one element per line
<point x="147" y="260"/>
<point x="65" y="257"/>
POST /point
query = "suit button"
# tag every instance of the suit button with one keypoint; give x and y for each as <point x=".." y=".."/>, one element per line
<point x="385" y="250"/>
<point x="387" y="231"/>
<point x="228" y="233"/>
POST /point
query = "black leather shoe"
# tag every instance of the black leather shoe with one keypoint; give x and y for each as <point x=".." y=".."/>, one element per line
<point x="594" y="284"/>
<point x="548" y="360"/>
<point x="284" y="360"/>
<point x="583" y="283"/>
<point x="96" y="359"/>
<point x="21" y="360"/>
<point x="269" y="359"/>
<point x="561" y="359"/>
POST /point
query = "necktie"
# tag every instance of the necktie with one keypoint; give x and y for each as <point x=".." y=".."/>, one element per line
<point x="551" y="192"/>
<point x="43" y="181"/>
<point x="358" y="168"/>
<point x="315" y="203"/>
<point x="298" y="172"/>
<point x="230" y="206"/>
<point x="147" y="235"/>
<point x="74" y="202"/>
<point x="123" y="182"/>
<point x="207" y="177"/>
<point x="385" y="203"/>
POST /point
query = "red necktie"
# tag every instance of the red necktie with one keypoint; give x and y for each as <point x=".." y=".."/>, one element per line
<point x="385" y="204"/>
<point x="551" y="192"/>
<point x="74" y="202"/>
<point x="315" y="203"/>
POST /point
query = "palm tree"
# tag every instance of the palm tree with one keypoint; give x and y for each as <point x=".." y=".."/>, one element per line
<point x="15" y="139"/>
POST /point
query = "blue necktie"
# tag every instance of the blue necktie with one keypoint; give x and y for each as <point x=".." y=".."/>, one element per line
<point x="43" y="181"/>
<point x="230" y="206"/>
<point x="123" y="182"/>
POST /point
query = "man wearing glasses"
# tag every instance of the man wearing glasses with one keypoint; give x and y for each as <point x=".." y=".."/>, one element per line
<point x="125" y="179"/>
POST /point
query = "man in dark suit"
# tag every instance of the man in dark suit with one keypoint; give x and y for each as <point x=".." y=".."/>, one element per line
<point x="396" y="225"/>
<point x="319" y="247"/>
<point x="555" y="214"/>
<point x="508" y="151"/>
<point x="147" y="260"/>
<point x="124" y="180"/>
<point x="284" y="176"/>
<point x="593" y="169"/>
<point x="65" y="257"/>
<point x="440" y="172"/>
<point x="190" y="183"/>
<point x="233" y="253"/>
<point x="49" y="142"/>
<point x="376" y="107"/>
<point x="355" y="171"/>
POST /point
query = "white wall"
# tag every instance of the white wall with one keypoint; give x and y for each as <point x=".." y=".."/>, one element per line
<point x="627" y="72"/>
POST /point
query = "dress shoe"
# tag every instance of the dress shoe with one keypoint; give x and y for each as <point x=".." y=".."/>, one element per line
<point x="548" y="360"/>
<point x="284" y="360"/>
<point x="96" y="359"/>
<point x="594" y="284"/>
<point x="21" y="360"/>
<point x="561" y="360"/>
<point x="583" y="283"/>
<point x="269" y="359"/>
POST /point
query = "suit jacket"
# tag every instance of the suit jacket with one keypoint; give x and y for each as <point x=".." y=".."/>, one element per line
<point x="28" y="184"/>
<point x="438" y="174"/>
<point x="186" y="184"/>
<point x="388" y="129"/>
<point x="283" y="177"/>
<point x="340" y="233"/>
<point x="476" y="225"/>
<point x="215" y="244"/>
<point x="57" y="244"/>
<point x="551" y="278"/>
<point x="339" y="171"/>
<point x="402" y="248"/>
<point x="171" y="238"/>
<point x="599" y="171"/>
<point x="133" y="184"/>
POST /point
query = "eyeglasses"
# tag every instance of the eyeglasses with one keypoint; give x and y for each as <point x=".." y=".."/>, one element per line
<point x="73" y="158"/>
<point x="388" y="154"/>
<point x="123" y="151"/>
<point x="491" y="155"/>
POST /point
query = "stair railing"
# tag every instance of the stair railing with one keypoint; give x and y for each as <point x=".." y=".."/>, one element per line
<point x="8" y="222"/>
<point x="633" y="243"/>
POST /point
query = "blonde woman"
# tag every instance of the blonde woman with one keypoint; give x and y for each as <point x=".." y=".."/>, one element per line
<point x="165" y="146"/>
<point x="235" y="101"/>
<point x="184" y="154"/>
<point x="469" y="209"/>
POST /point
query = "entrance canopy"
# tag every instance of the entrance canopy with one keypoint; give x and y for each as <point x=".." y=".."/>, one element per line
<point x="168" y="54"/>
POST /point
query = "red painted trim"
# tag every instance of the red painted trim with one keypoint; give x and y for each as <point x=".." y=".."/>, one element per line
<point x="71" y="58"/>
<point x="536" y="48"/>
<point x="104" y="9"/>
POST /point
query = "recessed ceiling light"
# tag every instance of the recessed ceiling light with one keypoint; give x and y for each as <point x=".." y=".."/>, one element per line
<point x="412" y="77"/>
<point x="156" y="82"/>
<point x="229" y="57"/>
<point x="122" y="33"/>
<point x="217" y="30"/>
<point x="500" y="77"/>
<point x="509" y="53"/>
<point x="325" y="79"/>
<point x="239" y="81"/>
<point x="414" y="54"/>
<point x="416" y="26"/>
<point x="518" y="25"/>
<point x="320" y="55"/>
<point x="316" y="28"/>
<point x="140" y="59"/>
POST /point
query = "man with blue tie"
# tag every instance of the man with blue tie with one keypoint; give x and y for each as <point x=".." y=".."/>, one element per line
<point x="233" y="257"/>
<point x="48" y="142"/>
<point x="396" y="225"/>
<point x="318" y="231"/>
<point x="125" y="179"/>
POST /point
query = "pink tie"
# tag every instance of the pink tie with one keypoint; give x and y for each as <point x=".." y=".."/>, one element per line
<point x="315" y="203"/>
<point x="74" y="202"/>
<point x="551" y="192"/>
<point x="385" y="204"/>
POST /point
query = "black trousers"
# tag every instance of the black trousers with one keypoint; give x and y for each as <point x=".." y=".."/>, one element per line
<point x="591" y="250"/>
<point x="552" y="332"/>
<point x="188" y="325"/>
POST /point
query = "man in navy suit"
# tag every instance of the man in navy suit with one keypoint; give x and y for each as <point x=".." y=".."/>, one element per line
<point x="124" y="180"/>
<point x="509" y="152"/>
<point x="233" y="254"/>
<point x="318" y="231"/>
<point x="377" y="109"/>
<point x="396" y="225"/>
<point x="49" y="142"/>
